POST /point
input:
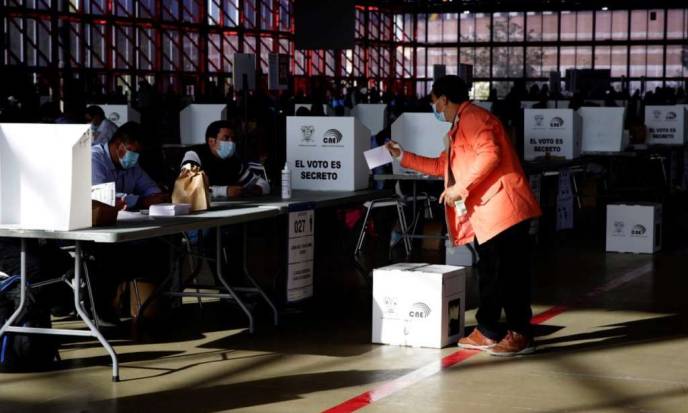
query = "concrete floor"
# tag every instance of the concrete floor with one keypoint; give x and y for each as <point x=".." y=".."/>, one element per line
<point x="621" y="349"/>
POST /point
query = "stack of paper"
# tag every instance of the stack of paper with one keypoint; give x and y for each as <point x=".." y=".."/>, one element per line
<point x="169" y="210"/>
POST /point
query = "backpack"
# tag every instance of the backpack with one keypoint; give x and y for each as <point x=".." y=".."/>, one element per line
<point x="25" y="352"/>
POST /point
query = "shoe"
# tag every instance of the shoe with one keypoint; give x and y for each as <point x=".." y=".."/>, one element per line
<point x="513" y="344"/>
<point x="477" y="341"/>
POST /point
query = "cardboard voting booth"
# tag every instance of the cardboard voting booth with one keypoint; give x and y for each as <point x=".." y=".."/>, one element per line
<point x="551" y="132"/>
<point x="326" y="154"/>
<point x="603" y="129"/>
<point x="45" y="176"/>
<point x="420" y="133"/>
<point x="195" y="118"/>
<point x="372" y="116"/>
<point x="634" y="228"/>
<point x="418" y="305"/>
<point x="666" y="125"/>
<point x="121" y="114"/>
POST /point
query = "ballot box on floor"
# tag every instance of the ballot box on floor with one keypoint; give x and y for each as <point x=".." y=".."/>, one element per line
<point x="418" y="305"/>
<point x="326" y="153"/>
<point x="634" y="228"/>
<point x="45" y="176"/>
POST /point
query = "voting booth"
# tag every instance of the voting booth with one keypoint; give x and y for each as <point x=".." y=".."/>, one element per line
<point x="418" y="305"/>
<point x="634" y="228"/>
<point x="372" y="116"/>
<point x="120" y="114"/>
<point x="666" y="125"/>
<point x="45" y="176"/>
<point x="552" y="133"/>
<point x="603" y="129"/>
<point x="195" y="118"/>
<point x="326" y="154"/>
<point x="420" y="133"/>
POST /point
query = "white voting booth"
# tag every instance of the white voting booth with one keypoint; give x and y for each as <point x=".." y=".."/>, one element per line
<point x="326" y="154"/>
<point x="603" y="129"/>
<point x="551" y="132"/>
<point x="120" y="114"/>
<point x="420" y="133"/>
<point x="666" y="125"/>
<point x="195" y="118"/>
<point x="373" y="116"/>
<point x="45" y="176"/>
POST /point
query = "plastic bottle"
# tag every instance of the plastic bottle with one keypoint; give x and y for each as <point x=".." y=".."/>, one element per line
<point x="286" y="182"/>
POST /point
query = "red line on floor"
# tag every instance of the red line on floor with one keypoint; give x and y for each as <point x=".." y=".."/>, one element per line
<point x="407" y="380"/>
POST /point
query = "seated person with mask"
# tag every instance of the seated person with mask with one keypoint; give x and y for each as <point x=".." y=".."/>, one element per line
<point x="102" y="128"/>
<point x="228" y="175"/>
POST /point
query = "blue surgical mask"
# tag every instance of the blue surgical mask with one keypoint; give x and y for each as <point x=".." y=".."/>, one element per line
<point x="129" y="159"/>
<point x="226" y="149"/>
<point x="438" y="115"/>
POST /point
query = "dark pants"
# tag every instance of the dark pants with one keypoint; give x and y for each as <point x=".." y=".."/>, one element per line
<point x="504" y="280"/>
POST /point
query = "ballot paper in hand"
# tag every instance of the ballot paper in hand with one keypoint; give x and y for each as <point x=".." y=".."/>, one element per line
<point x="169" y="210"/>
<point x="377" y="157"/>
<point x="104" y="193"/>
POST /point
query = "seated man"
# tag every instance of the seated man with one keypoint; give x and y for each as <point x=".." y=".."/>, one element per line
<point x="228" y="176"/>
<point x="102" y="128"/>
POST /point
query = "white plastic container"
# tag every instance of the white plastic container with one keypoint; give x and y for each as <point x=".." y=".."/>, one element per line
<point x="286" y="182"/>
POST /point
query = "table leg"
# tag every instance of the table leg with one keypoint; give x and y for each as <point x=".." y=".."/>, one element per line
<point x="22" y="291"/>
<point x="252" y="280"/>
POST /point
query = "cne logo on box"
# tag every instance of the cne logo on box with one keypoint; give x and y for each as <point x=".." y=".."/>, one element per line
<point x="332" y="137"/>
<point x="419" y="311"/>
<point x="639" y="231"/>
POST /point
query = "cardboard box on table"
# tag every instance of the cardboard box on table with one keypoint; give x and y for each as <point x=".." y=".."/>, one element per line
<point x="634" y="228"/>
<point x="666" y="125"/>
<point x="372" y="115"/>
<point x="420" y="133"/>
<point x="195" y="118"/>
<point x="121" y="114"/>
<point x="551" y="132"/>
<point x="603" y="129"/>
<point x="418" y="305"/>
<point x="326" y="153"/>
<point x="45" y="176"/>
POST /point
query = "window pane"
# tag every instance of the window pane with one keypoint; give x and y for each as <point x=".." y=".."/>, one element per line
<point x="467" y="23"/>
<point x="499" y="61"/>
<point x="567" y="57"/>
<point x="675" y="63"/>
<point x="568" y="25"/>
<point x="421" y="28"/>
<point x="583" y="57"/>
<point x="434" y="58"/>
<point x="500" y="29"/>
<point x="584" y="25"/>
<point x="534" y="26"/>
<point x="420" y="62"/>
<point x="450" y="27"/>
<point x="549" y="60"/>
<point x="516" y="22"/>
<point x="603" y="57"/>
<point x="482" y="27"/>
<point x="502" y="88"/>
<point x="550" y="26"/>
<point x="515" y="62"/>
<point x="655" y="56"/>
<point x="603" y="25"/>
<point x="655" y="24"/>
<point x="637" y="61"/>
<point x="482" y="62"/>
<point x="639" y="24"/>
<point x="451" y="59"/>
<point x="534" y="62"/>
<point x="676" y="27"/>
<point x="620" y="25"/>
<point x="435" y="28"/>
<point x="619" y="61"/>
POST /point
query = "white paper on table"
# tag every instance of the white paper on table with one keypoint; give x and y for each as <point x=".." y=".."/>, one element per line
<point x="104" y="193"/>
<point x="377" y="157"/>
<point x="169" y="210"/>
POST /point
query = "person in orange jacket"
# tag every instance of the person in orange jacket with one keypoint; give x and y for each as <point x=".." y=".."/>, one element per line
<point x="487" y="197"/>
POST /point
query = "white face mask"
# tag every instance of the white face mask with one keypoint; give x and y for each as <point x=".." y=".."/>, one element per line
<point x="438" y="115"/>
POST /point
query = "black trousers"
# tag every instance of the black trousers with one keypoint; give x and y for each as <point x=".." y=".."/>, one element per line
<point x="504" y="281"/>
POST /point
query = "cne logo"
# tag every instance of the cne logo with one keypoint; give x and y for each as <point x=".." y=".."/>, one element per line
<point x="638" y="231"/>
<point x="307" y="133"/>
<point x="556" y="122"/>
<point x="538" y="120"/>
<point x="670" y="116"/>
<point x="114" y="117"/>
<point x="332" y="137"/>
<point x="419" y="311"/>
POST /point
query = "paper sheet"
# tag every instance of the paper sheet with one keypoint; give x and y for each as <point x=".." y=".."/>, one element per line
<point x="104" y="193"/>
<point x="377" y="157"/>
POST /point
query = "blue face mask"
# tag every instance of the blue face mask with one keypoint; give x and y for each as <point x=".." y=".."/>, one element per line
<point x="129" y="159"/>
<point x="226" y="149"/>
<point x="438" y="115"/>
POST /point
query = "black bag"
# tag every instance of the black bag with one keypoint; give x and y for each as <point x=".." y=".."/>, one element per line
<point x="25" y="352"/>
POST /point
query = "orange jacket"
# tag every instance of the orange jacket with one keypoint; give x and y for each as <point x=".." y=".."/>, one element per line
<point x="488" y="175"/>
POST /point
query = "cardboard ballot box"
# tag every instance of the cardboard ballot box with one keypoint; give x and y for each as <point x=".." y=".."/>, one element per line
<point x="551" y="132"/>
<point x="603" y="129"/>
<point x="45" y="176"/>
<point x="418" y="305"/>
<point x="666" y="125"/>
<point x="120" y="114"/>
<point x="326" y="153"/>
<point x="373" y="116"/>
<point x="420" y="133"/>
<point x="634" y="228"/>
<point x="195" y="118"/>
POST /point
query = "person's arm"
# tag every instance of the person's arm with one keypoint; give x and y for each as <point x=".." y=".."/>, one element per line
<point x="147" y="190"/>
<point x="252" y="183"/>
<point x="422" y="164"/>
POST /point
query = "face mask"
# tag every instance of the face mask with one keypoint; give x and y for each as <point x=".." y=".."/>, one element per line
<point x="129" y="159"/>
<point x="438" y="115"/>
<point x="226" y="149"/>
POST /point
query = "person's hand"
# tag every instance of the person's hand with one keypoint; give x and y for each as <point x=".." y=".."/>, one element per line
<point x="394" y="148"/>
<point x="450" y="196"/>
<point x="159" y="198"/>
<point x="120" y="204"/>
<point x="234" y="191"/>
<point x="252" y="190"/>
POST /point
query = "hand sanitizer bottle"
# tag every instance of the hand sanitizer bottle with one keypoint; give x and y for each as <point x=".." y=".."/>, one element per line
<point x="286" y="182"/>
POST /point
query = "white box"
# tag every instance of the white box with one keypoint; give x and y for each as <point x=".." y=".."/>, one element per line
<point x="45" y="176"/>
<point x="603" y="129"/>
<point x="372" y="115"/>
<point x="418" y="305"/>
<point x="554" y="132"/>
<point x="461" y="256"/>
<point x="120" y="114"/>
<point x="634" y="228"/>
<point x="326" y="153"/>
<point x="666" y="125"/>
<point x="195" y="118"/>
<point x="420" y="133"/>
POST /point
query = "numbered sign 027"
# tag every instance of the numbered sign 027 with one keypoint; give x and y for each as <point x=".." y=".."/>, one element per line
<point x="300" y="255"/>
